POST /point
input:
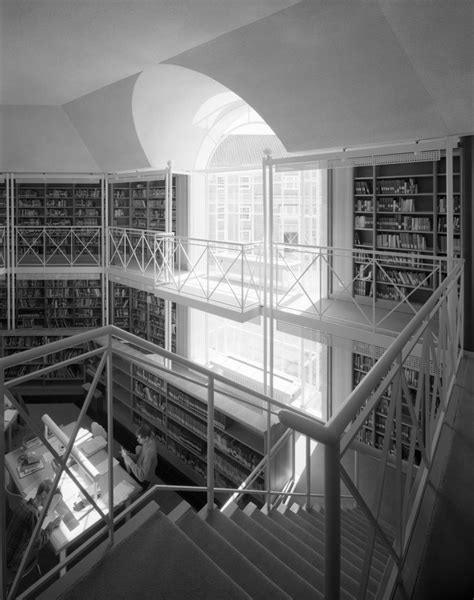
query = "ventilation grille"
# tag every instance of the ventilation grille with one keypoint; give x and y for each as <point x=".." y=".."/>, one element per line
<point x="363" y="161"/>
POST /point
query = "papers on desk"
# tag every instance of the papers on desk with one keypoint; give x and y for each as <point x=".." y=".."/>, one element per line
<point x="122" y="491"/>
<point x="90" y="447"/>
<point x="103" y="466"/>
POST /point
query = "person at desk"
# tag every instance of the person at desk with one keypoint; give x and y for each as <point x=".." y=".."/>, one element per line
<point x="142" y="463"/>
<point x="22" y="524"/>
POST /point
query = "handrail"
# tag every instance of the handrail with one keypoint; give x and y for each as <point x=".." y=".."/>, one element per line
<point x="329" y="434"/>
<point x="335" y="427"/>
<point x="338" y="423"/>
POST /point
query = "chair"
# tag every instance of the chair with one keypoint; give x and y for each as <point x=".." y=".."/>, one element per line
<point x="98" y="430"/>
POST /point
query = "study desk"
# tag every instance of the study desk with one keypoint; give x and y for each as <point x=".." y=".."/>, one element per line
<point x="74" y="523"/>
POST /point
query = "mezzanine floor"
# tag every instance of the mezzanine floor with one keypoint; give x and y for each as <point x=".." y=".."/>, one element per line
<point x="344" y="315"/>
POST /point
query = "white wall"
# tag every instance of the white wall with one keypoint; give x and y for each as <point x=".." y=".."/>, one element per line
<point x="105" y="122"/>
<point x="41" y="139"/>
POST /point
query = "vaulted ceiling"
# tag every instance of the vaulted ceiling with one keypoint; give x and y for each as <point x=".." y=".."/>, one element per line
<point x="323" y="74"/>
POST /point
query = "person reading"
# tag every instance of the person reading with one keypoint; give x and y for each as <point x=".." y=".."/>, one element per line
<point x="21" y="525"/>
<point x="142" y="464"/>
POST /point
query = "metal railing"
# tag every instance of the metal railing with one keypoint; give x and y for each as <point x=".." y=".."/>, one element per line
<point x="410" y="387"/>
<point x="58" y="246"/>
<point x="224" y="273"/>
<point x="308" y="279"/>
<point x="135" y="249"/>
<point x="430" y="345"/>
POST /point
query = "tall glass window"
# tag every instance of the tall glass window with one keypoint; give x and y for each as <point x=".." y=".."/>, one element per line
<point x="232" y="205"/>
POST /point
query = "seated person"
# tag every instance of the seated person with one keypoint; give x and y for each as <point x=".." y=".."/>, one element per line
<point x="22" y="524"/>
<point x="142" y="464"/>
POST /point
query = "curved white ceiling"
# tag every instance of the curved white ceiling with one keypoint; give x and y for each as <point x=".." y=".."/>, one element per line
<point x="166" y="111"/>
<point x="54" y="51"/>
<point x="351" y="72"/>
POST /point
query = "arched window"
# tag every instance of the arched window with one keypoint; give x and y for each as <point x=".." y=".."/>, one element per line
<point x="231" y="199"/>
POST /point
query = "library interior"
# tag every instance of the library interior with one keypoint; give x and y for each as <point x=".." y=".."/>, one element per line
<point x="236" y="299"/>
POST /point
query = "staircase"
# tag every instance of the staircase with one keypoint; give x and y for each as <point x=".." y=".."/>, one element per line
<point x="235" y="554"/>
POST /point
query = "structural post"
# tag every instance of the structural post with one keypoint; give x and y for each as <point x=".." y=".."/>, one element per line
<point x="210" y="443"/>
<point x="3" y="503"/>
<point x="308" y="472"/>
<point x="110" y="437"/>
<point x="332" y="511"/>
<point x="267" y="301"/>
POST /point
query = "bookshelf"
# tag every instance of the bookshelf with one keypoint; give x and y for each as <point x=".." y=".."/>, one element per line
<point x="374" y="428"/>
<point x="142" y="313"/>
<point x="177" y="411"/>
<point x="58" y="303"/>
<point x="65" y="380"/>
<point x="401" y="208"/>
<point x="3" y="203"/>
<point x="141" y="204"/>
<point x="65" y="204"/>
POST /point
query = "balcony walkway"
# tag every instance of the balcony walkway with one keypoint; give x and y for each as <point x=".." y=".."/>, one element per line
<point x="339" y="316"/>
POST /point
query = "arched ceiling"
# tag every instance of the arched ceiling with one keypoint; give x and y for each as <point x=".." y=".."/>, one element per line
<point x="323" y="74"/>
<point x="350" y="72"/>
<point x="54" y="51"/>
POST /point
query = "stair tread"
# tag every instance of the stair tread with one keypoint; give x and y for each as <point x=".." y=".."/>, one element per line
<point x="276" y="546"/>
<point x="351" y="563"/>
<point x="273" y="567"/>
<point x="183" y="570"/>
<point x="350" y="538"/>
<point x="233" y="562"/>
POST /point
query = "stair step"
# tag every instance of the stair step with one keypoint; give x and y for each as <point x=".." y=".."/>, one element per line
<point x="310" y="554"/>
<point x="355" y="527"/>
<point x="349" y="574"/>
<point x="351" y="563"/>
<point x="165" y="563"/>
<point x="230" y="560"/>
<point x="358" y="516"/>
<point x="274" y="568"/>
<point x="277" y="547"/>
<point x="351" y="539"/>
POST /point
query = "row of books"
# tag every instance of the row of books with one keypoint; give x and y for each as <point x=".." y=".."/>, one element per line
<point x="412" y="241"/>
<point x="396" y="204"/>
<point x="397" y="186"/>
<point x="414" y="278"/>
<point x="405" y="223"/>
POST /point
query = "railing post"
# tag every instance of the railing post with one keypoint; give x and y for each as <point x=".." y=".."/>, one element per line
<point x="210" y="442"/>
<point x="332" y="511"/>
<point x="308" y="472"/>
<point x="242" y="250"/>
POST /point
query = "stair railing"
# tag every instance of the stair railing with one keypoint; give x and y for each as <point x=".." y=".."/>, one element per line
<point x="435" y="331"/>
<point x="434" y="339"/>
